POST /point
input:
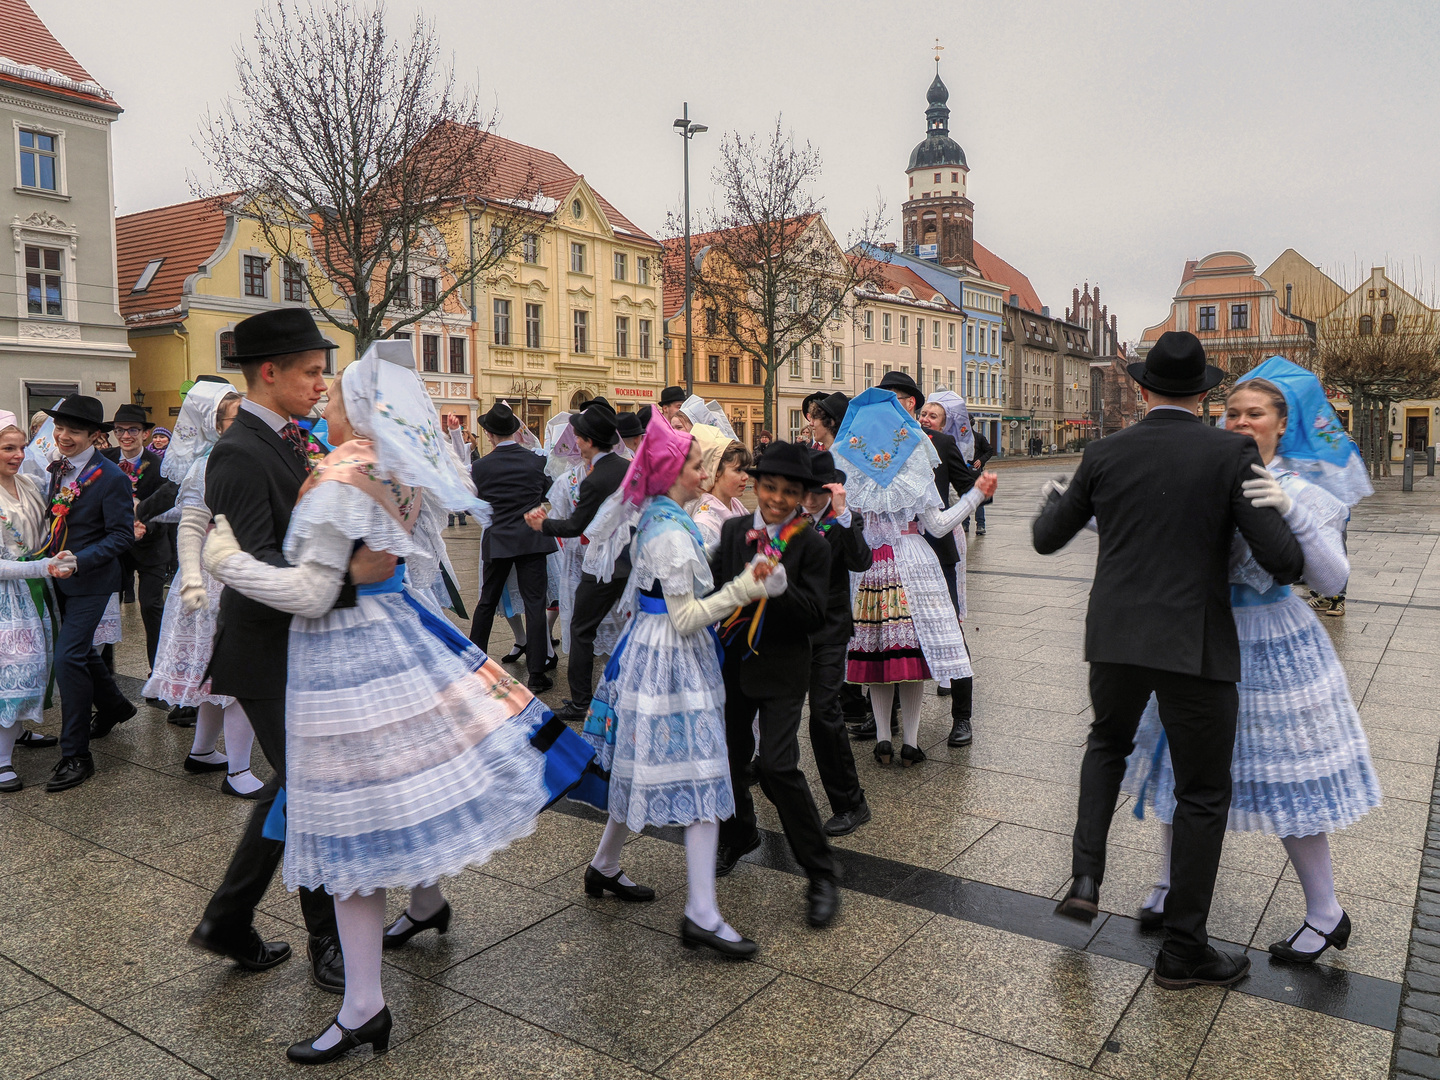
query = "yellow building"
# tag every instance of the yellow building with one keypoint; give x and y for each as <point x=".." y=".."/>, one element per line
<point x="187" y="274"/>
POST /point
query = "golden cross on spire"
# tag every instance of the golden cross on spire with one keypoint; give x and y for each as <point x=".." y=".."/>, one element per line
<point x="938" y="50"/>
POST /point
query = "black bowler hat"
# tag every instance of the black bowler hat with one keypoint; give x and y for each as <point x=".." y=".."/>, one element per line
<point x="644" y="415"/>
<point x="790" y="460"/>
<point x="901" y="383"/>
<point x="822" y="464"/>
<point x="132" y="414"/>
<point x="811" y="399"/>
<point x="278" y="333"/>
<point x="673" y="395"/>
<point x="596" y="422"/>
<point x="500" y="420"/>
<point x="628" y="426"/>
<point x="835" y="407"/>
<point x="81" y="410"/>
<point x="1175" y="366"/>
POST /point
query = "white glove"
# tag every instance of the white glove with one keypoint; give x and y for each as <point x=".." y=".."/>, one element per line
<point x="775" y="584"/>
<point x="1055" y="488"/>
<point x="1265" y="490"/>
<point x="66" y="561"/>
<point x="220" y="546"/>
<point x="194" y="597"/>
<point x="687" y="614"/>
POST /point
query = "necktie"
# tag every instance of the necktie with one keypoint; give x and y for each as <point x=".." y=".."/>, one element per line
<point x="292" y="434"/>
<point x="57" y="471"/>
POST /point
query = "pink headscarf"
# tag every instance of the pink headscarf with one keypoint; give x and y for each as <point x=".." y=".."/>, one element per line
<point x="658" y="461"/>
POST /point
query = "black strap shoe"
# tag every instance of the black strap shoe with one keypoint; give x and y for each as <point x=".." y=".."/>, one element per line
<point x="1082" y="902"/>
<point x="1339" y="937"/>
<point x="910" y="755"/>
<point x="597" y="885"/>
<point x="843" y="824"/>
<point x="246" y="949"/>
<point x="194" y="765"/>
<point x="1213" y="969"/>
<point x="730" y="854"/>
<point x="374" y="1032"/>
<point x="33" y="740"/>
<point x="10" y="780"/>
<point x="327" y="966"/>
<point x="394" y="938"/>
<point x="514" y="655"/>
<point x="822" y="901"/>
<point x="884" y="752"/>
<point x="70" y="772"/>
<point x="693" y="935"/>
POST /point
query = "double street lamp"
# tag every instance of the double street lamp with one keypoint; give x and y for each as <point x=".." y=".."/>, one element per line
<point x="687" y="131"/>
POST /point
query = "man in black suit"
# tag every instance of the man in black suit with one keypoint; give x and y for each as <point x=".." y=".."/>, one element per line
<point x="1167" y="496"/>
<point x="671" y="398"/>
<point x="99" y="526"/>
<point x="149" y="557"/>
<point x="253" y="477"/>
<point x="849" y="554"/>
<point x="596" y="429"/>
<point x="761" y="675"/>
<point x="512" y="480"/>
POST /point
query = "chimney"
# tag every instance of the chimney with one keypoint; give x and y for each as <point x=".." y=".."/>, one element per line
<point x="887" y="247"/>
<point x="1289" y="294"/>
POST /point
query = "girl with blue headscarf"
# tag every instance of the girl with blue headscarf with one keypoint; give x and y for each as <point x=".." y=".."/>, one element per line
<point x="1301" y="767"/>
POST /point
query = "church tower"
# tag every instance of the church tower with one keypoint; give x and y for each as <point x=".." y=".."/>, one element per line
<point x="939" y="219"/>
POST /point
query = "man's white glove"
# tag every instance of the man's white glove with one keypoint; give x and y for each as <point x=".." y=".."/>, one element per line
<point x="776" y="582"/>
<point x="1265" y="490"/>
<point x="1052" y="490"/>
<point x="219" y="546"/>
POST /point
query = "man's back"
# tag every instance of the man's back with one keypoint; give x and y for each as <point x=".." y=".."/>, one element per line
<point x="513" y="481"/>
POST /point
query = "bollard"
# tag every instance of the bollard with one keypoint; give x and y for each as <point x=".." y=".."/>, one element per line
<point x="1407" y="482"/>
<point x="1430" y="460"/>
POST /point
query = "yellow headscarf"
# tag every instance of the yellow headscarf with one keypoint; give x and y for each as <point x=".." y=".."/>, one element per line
<point x="713" y="444"/>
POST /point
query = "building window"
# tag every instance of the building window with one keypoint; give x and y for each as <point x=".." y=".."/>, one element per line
<point x="951" y="374"/>
<point x="757" y="372"/>
<point x="581" y="325"/>
<point x="904" y="329"/>
<point x="642" y="270"/>
<point x="497" y="239"/>
<point x="1387" y="323"/>
<point x="793" y="357"/>
<point x="954" y="178"/>
<point x="42" y="282"/>
<point x="837" y="363"/>
<point x="254" y="275"/>
<point x="795" y="424"/>
<point x="1207" y="317"/>
<point x="429" y="291"/>
<point x="430" y="352"/>
<point x="969" y="382"/>
<point x="952" y="337"/>
<point x="935" y="333"/>
<point x="530" y="248"/>
<point x="457" y="356"/>
<point x="732" y="323"/>
<point x="502" y="321"/>
<point x="622" y="335"/>
<point x="712" y="321"/>
<point x="817" y="366"/>
<point x="577" y="258"/>
<point x="934" y="378"/>
<point x="739" y="426"/>
<point x="937" y="178"/>
<point x="402" y="290"/>
<point x="868" y="322"/>
<point x="532" y="326"/>
<point x="994" y="386"/>
<point x="1367" y="325"/>
<point x="734" y="365"/>
<point x="292" y="280"/>
<point x="1239" y="316"/>
<point x="39" y="162"/>
<point x="227" y="351"/>
<point x="620" y="261"/>
<point x="994" y="340"/>
<point x="869" y="376"/>
<point x="645" y="339"/>
<point x="969" y="337"/>
<point x="885" y="326"/>
<point x="712" y="368"/>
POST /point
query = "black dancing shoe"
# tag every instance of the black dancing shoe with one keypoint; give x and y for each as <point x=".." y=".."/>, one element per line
<point x="552" y="662"/>
<point x="514" y="655"/>
<point x="1082" y="902"/>
<point x="910" y="755"/>
<point x="693" y="935"/>
<point x="1339" y="937"/>
<point x="70" y="772"/>
<point x="327" y="964"/>
<point x="1213" y="969"/>
<point x="103" y="723"/>
<point x="942" y="691"/>
<point x="33" y="740"/>
<point x="539" y="683"/>
<point x="10" y="780"/>
<point x="247" y="948"/>
<point x="884" y="752"/>
<point x="227" y="788"/>
<point x="375" y="1032"/>
<point x="1151" y="919"/>
<point x="439" y="922"/>
<point x="843" y="824"/>
<point x="597" y="885"/>
<point x="194" y="765"/>
<point x="730" y="854"/>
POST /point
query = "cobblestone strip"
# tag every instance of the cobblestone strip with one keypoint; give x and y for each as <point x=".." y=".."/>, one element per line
<point x="1417" y="1034"/>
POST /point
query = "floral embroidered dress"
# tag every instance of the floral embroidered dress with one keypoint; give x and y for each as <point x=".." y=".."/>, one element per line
<point x="564" y="564"/>
<point x="26" y="632"/>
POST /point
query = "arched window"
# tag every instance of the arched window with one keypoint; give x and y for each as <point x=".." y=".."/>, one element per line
<point x="1387" y="323"/>
<point x="1367" y="325"/>
<point x="579" y="398"/>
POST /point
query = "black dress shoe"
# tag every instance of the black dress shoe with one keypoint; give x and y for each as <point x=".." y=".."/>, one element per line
<point x="327" y="966"/>
<point x="1339" y="937"/>
<point x="195" y="765"/>
<point x="439" y="922"/>
<point x="104" y="723"/>
<point x="247" y="950"/>
<point x="1082" y="901"/>
<point x="514" y="655"/>
<point x="960" y="733"/>
<point x="693" y="935"/>
<point x="33" y="740"/>
<point x="375" y="1032"/>
<point x="552" y="662"/>
<point x="539" y="683"/>
<point x="182" y="715"/>
<point x="730" y="854"/>
<point x="752" y="772"/>
<point x="942" y="691"/>
<point x="865" y="732"/>
<point x="1213" y="969"/>
<point x="845" y="823"/>
<point x="597" y="885"/>
<point x="1150" y="919"/>
<point x="822" y="901"/>
<point x="570" y="713"/>
<point x="71" y="772"/>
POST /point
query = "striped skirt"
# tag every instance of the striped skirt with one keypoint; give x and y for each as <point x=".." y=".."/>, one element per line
<point x="885" y="647"/>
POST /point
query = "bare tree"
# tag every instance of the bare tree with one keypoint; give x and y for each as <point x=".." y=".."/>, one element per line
<point x="362" y="163"/>
<point x="764" y="262"/>
<point x="1375" y="367"/>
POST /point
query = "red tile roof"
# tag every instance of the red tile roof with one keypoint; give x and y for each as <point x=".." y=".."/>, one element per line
<point x="993" y="268"/>
<point x="673" y="265"/>
<point x="31" y="57"/>
<point x="184" y="236"/>
<point x="893" y="277"/>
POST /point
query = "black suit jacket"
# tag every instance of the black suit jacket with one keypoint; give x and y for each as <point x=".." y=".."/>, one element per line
<point x="513" y="481"/>
<point x="848" y="553"/>
<point x="604" y="480"/>
<point x="782" y="661"/>
<point x="952" y="472"/>
<point x="1166" y="497"/>
<point x="101" y="528"/>
<point x="156" y="495"/>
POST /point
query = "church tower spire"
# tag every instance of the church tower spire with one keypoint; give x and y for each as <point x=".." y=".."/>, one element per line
<point x="938" y="217"/>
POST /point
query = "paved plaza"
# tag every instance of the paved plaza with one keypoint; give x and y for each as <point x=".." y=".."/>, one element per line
<point x="945" y="960"/>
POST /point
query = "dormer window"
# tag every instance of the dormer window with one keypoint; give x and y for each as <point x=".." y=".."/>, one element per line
<point x="147" y="275"/>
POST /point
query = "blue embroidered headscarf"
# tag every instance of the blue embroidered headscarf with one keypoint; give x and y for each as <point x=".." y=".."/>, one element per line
<point x="878" y="436"/>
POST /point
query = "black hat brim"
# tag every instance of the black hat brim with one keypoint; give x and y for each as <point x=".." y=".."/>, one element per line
<point x="97" y="425"/>
<point x="502" y="431"/>
<point x="1212" y="378"/>
<point x="810" y="482"/>
<point x="270" y="354"/>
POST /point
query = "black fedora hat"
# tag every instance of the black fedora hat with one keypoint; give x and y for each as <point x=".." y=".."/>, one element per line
<point x="1175" y="366"/>
<point x="80" y="409"/>
<point x="673" y="395"/>
<point x="790" y="460"/>
<point x="500" y="420"/>
<point x="277" y="333"/>
<point x="646" y="411"/>
<point x="810" y="400"/>
<point x="132" y="414"/>
<point x="628" y="426"/>
<point x="835" y="407"/>
<point x="822" y="464"/>
<point x="596" y="422"/>
<point x="901" y="383"/>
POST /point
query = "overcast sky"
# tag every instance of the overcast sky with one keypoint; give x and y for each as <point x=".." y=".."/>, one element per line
<point x="1107" y="141"/>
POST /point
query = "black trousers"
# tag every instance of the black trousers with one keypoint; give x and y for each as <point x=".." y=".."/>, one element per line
<point x="530" y="576"/>
<point x="1199" y="720"/>
<point x="253" y="865"/>
<point x="962" y="691"/>
<point x="80" y="674"/>
<point x="828" y="736"/>
<point x="593" y="600"/>
<point x="150" y="592"/>
<point x="780" y="777"/>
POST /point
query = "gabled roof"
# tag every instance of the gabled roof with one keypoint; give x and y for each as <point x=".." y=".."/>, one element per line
<point x="32" y="58"/>
<point x="993" y="268"/>
<point x="673" y="264"/>
<point x="184" y="236"/>
<point x="889" y="278"/>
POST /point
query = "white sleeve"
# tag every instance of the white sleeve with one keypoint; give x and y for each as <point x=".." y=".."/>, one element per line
<point x="939" y="522"/>
<point x="689" y="615"/>
<point x="308" y="589"/>
<point x="1327" y="569"/>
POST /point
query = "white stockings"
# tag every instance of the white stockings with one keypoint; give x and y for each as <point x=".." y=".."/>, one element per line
<point x="1310" y="855"/>
<point x="912" y="696"/>
<point x="361" y="921"/>
<point x="702" y="844"/>
<point x="210" y="719"/>
<point x="1162" y="880"/>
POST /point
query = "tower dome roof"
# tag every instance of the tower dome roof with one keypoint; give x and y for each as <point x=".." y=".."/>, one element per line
<point x="938" y="94"/>
<point x="937" y="148"/>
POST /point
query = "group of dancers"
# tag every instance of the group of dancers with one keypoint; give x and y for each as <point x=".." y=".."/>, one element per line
<point x="308" y="614"/>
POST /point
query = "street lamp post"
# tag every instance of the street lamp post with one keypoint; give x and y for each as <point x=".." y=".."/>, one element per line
<point x="688" y="131"/>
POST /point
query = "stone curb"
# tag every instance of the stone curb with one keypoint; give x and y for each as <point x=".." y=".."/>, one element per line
<point x="1417" y="1031"/>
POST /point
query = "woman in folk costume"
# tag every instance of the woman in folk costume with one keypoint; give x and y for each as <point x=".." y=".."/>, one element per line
<point x="906" y="630"/>
<point x="1301" y="768"/>
<point x="187" y="631"/>
<point x="724" y="462"/>
<point x="407" y="751"/>
<point x="565" y="466"/>
<point x="27" y="643"/>
<point x="664" y="741"/>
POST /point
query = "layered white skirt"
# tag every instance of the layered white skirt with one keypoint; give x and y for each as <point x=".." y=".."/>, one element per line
<point x="26" y="654"/>
<point x="108" y="631"/>
<point x="187" y="639"/>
